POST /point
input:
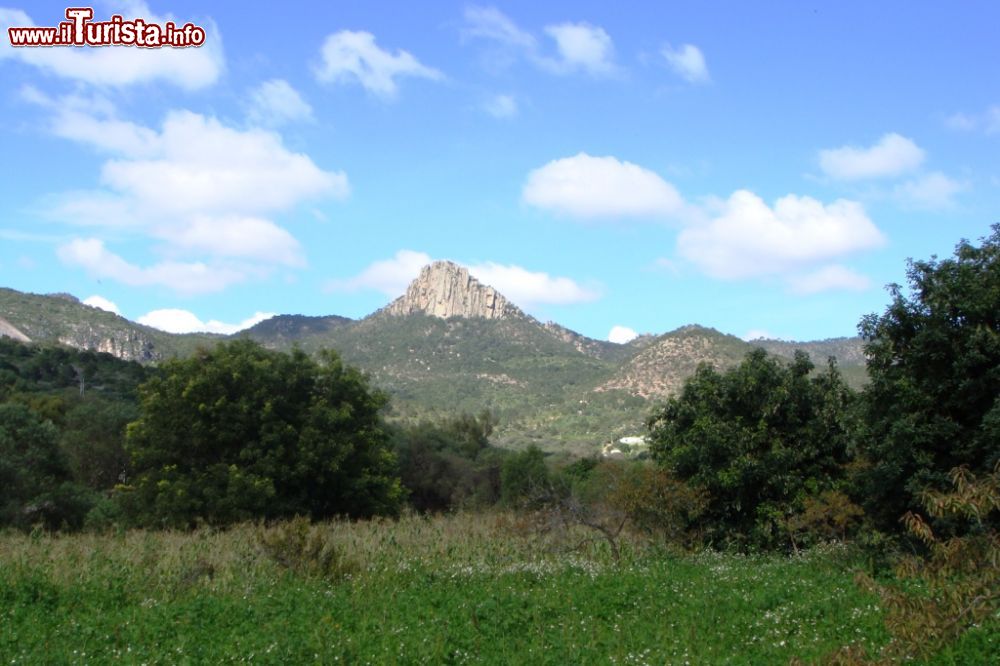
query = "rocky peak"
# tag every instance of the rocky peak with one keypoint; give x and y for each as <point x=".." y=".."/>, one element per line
<point x="445" y="289"/>
<point x="8" y="330"/>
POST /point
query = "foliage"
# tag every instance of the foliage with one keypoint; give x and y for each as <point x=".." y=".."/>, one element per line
<point x="35" y="483"/>
<point x="757" y="438"/>
<point x="656" y="503"/>
<point x="830" y="516"/>
<point x="240" y="432"/>
<point x="523" y="475"/>
<point x="934" y="361"/>
<point x="449" y="464"/>
<point x="953" y="587"/>
<point x="298" y="546"/>
<point x="93" y="442"/>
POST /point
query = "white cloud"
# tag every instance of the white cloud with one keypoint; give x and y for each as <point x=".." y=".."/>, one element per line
<point x="183" y="321"/>
<point x="932" y="191"/>
<point x="523" y="287"/>
<point x="389" y="276"/>
<point x="592" y="187"/>
<point x="987" y="121"/>
<point x="232" y="236"/>
<point x="204" y="189"/>
<point x="757" y="334"/>
<point x="891" y="156"/>
<point x="828" y="278"/>
<point x="621" y="335"/>
<point x="349" y="55"/>
<point x="102" y="304"/>
<point x="687" y="62"/>
<point x="578" y="46"/>
<point x="184" y="278"/>
<point x="118" y="66"/>
<point x="501" y="106"/>
<point x="530" y="288"/>
<point x="490" y="23"/>
<point x="275" y="102"/>
<point x="747" y="238"/>
<point x="582" y="46"/>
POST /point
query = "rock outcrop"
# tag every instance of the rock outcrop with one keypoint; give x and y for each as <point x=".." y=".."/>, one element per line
<point x="8" y="330"/>
<point x="444" y="289"/>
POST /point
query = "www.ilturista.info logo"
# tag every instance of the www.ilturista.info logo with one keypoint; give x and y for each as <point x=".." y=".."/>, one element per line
<point x="80" y="30"/>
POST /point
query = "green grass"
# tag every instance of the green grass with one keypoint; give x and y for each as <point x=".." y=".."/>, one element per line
<point x="428" y="591"/>
<point x="463" y="589"/>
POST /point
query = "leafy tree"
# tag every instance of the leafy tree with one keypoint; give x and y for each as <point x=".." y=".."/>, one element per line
<point x="34" y="478"/>
<point x="759" y="438"/>
<point x="933" y="403"/>
<point x="93" y="441"/>
<point x="523" y="475"/>
<point x="449" y="464"/>
<point x="239" y="432"/>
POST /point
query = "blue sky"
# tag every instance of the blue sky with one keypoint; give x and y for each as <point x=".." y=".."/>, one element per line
<point x="762" y="168"/>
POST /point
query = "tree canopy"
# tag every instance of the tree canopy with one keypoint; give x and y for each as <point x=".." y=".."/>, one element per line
<point x="934" y="362"/>
<point x="759" y="438"/>
<point x="240" y="432"/>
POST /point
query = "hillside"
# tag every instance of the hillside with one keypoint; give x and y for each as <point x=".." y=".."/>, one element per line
<point x="452" y="344"/>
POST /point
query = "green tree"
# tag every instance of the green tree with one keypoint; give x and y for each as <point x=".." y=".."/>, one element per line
<point x="759" y="438"/>
<point x="933" y="403"/>
<point x="523" y="476"/>
<point x="34" y="478"/>
<point x="240" y="432"/>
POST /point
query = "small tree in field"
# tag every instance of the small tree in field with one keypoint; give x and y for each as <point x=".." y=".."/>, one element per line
<point x="239" y="432"/>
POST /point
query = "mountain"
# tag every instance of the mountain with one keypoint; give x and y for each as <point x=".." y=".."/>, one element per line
<point x="62" y="319"/>
<point x="444" y="289"/>
<point x="451" y="344"/>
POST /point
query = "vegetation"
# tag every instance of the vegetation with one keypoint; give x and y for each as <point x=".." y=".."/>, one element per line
<point x="239" y="432"/>
<point x="793" y="477"/>
<point x="466" y="588"/>
<point x="759" y="439"/>
<point x="934" y="399"/>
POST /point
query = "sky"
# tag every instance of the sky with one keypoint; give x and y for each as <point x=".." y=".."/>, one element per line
<point x="765" y="169"/>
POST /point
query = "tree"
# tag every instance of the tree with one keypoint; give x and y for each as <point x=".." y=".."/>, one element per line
<point x="238" y="432"/>
<point x="759" y="438"/>
<point x="35" y="482"/>
<point x="522" y="476"/>
<point x="933" y="403"/>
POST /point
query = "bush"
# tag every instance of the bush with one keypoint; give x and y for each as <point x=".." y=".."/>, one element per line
<point x="300" y="547"/>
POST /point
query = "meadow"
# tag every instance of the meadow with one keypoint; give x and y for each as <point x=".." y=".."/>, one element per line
<point x="466" y="588"/>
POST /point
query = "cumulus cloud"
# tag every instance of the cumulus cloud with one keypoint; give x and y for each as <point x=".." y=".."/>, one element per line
<point x="354" y="56"/>
<point x="932" y="191"/>
<point x="530" y="288"/>
<point x="829" y="278"/>
<point x="524" y="287"/>
<point x="184" y="278"/>
<point x="622" y="335"/>
<point x="202" y="189"/>
<point x="687" y="62"/>
<point x="581" y="46"/>
<point x="578" y="47"/>
<point x="102" y="303"/>
<point x="747" y="238"/>
<point x="276" y="102"/>
<point x="120" y="66"/>
<point x="891" y="156"/>
<point x="183" y="321"/>
<point x="389" y="276"/>
<point x="593" y="187"/>
<point x="501" y="106"/>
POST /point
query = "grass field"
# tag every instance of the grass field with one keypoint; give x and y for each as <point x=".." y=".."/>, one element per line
<point x="461" y="589"/>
